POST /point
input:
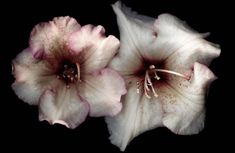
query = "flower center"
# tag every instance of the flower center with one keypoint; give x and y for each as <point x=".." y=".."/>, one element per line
<point x="150" y="74"/>
<point x="69" y="73"/>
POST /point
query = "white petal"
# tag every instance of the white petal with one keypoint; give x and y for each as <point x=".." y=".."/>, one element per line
<point x="184" y="104"/>
<point x="138" y="115"/>
<point x="136" y="34"/>
<point x="63" y="106"/>
<point x="48" y="39"/>
<point x="32" y="76"/>
<point x="94" y="49"/>
<point x="103" y="90"/>
<point x="179" y="46"/>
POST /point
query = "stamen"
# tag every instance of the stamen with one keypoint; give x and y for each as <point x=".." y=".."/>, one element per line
<point x="151" y="67"/>
<point x="138" y="87"/>
<point x="148" y="82"/>
<point x="151" y="85"/>
<point x="172" y="72"/>
<point x="156" y="76"/>
<point x="77" y="76"/>
<point x="146" y="93"/>
<point x="69" y="73"/>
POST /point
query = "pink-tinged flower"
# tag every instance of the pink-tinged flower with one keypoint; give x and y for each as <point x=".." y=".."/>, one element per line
<point x="164" y="64"/>
<point x="64" y="72"/>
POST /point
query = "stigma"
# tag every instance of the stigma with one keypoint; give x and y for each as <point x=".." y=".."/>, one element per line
<point x="151" y="74"/>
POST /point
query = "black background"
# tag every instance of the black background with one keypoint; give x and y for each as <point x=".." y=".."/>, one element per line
<point x="23" y="131"/>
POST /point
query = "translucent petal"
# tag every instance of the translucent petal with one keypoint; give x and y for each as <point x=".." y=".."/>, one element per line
<point x="64" y="106"/>
<point x="138" y="115"/>
<point x="103" y="90"/>
<point x="95" y="50"/>
<point x="50" y="38"/>
<point x="32" y="77"/>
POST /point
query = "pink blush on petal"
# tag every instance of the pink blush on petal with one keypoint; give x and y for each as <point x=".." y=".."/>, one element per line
<point x="60" y="122"/>
<point x="39" y="54"/>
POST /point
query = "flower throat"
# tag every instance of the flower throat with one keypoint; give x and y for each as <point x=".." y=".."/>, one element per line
<point x="152" y="73"/>
<point x="69" y="72"/>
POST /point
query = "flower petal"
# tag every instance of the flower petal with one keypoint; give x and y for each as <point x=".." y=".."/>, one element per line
<point x="103" y="90"/>
<point x="179" y="46"/>
<point x="146" y="39"/>
<point x="136" y="35"/>
<point x="183" y="47"/>
<point x="32" y="76"/>
<point x="63" y="106"/>
<point x="48" y="38"/>
<point x="138" y="115"/>
<point x="183" y="104"/>
<point x="95" y="50"/>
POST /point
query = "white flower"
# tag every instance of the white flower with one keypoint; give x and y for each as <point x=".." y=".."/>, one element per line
<point x="164" y="64"/>
<point x="63" y="71"/>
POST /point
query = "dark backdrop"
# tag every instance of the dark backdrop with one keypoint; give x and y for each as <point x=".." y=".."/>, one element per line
<point x="23" y="131"/>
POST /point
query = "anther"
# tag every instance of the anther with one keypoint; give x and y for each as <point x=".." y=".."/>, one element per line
<point x="69" y="73"/>
<point x="156" y="76"/>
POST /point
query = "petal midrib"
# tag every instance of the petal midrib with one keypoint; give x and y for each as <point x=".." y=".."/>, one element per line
<point x="186" y="42"/>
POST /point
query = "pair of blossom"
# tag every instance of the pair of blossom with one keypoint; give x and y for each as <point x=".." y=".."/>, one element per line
<point x="71" y="71"/>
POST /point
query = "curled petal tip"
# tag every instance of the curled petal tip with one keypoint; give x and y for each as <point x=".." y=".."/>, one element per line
<point x="60" y="122"/>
